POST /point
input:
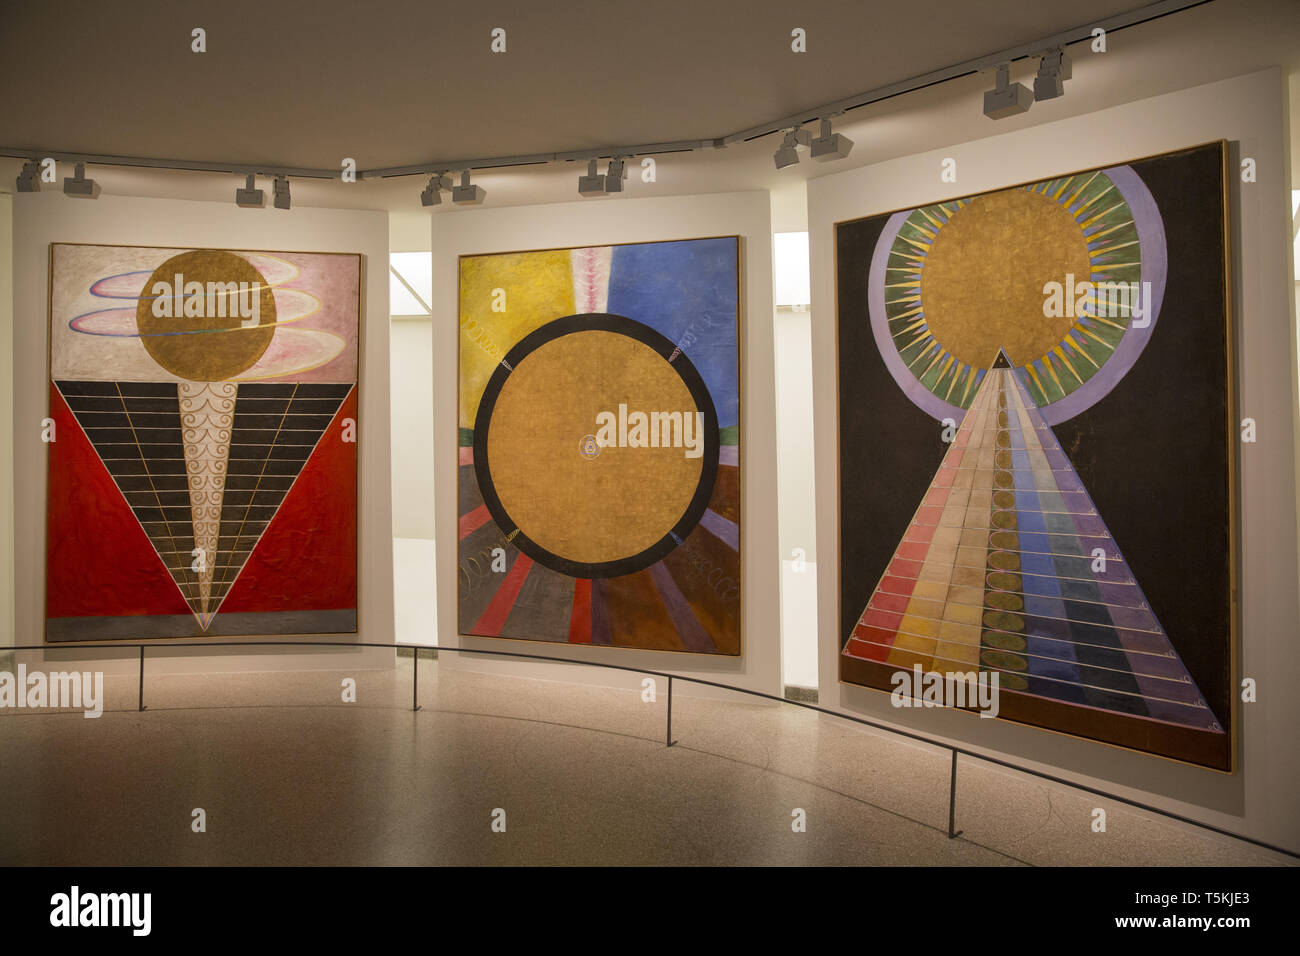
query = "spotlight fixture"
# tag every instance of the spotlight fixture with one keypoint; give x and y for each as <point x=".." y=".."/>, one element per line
<point x="281" y="192"/>
<point x="788" y="154"/>
<point x="250" y="197"/>
<point x="829" y="146"/>
<point x="79" y="187"/>
<point x="29" y="179"/>
<point x="1053" y="70"/>
<point x="1006" y="98"/>
<point x="592" y="184"/>
<point x="432" y="193"/>
<point x="615" y="175"/>
<point x="465" y="194"/>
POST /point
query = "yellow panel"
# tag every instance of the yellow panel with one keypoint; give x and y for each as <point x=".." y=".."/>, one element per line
<point x="961" y="653"/>
<point x="960" y="633"/>
<point x="934" y="590"/>
<point x="963" y="614"/>
<point x="537" y="287"/>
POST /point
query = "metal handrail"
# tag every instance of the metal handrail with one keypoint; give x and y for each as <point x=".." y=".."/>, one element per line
<point x="668" y="739"/>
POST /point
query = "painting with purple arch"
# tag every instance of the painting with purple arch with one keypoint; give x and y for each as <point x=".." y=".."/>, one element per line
<point x="1001" y="316"/>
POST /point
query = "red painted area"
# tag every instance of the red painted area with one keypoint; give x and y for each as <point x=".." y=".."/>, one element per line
<point x="580" y="619"/>
<point x="867" y="649"/>
<point x="913" y="551"/>
<point x="307" y="558"/>
<point x="901" y="567"/>
<point x="936" y="497"/>
<point x="494" y="618"/>
<point x="923" y="533"/>
<point x="888" y="620"/>
<point x="889" y="602"/>
<point x="896" y="585"/>
<point x="469" y="523"/>
<point x="466" y="455"/>
<point x="929" y="516"/>
<point x="99" y="561"/>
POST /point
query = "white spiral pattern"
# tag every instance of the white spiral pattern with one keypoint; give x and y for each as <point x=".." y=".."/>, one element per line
<point x="207" y="417"/>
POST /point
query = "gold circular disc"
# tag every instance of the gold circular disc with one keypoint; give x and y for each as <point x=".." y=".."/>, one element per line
<point x="982" y="282"/>
<point x="584" y="507"/>
<point x="212" y="345"/>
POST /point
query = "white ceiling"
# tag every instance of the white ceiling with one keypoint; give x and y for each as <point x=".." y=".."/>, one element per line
<point x="410" y="82"/>
<point x="403" y="81"/>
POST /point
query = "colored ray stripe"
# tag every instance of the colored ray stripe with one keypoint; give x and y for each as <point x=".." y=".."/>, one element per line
<point x="689" y="629"/>
<point x="600" y="629"/>
<point x="724" y="529"/>
<point x="889" y="618"/>
<point x="1154" y="688"/>
<point x="580" y="617"/>
<point x="472" y="521"/>
<point x="494" y="618"/>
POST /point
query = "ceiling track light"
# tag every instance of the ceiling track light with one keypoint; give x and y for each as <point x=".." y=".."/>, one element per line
<point x="830" y="146"/>
<point x="79" y="187"/>
<point x="592" y="184"/>
<point x="29" y="179"/>
<point x="465" y="194"/>
<point x="1053" y="70"/>
<point x="249" y="197"/>
<point x="1006" y="98"/>
<point x="615" y="174"/>
<point x="282" y="199"/>
<point x="787" y="153"/>
<point x="432" y="193"/>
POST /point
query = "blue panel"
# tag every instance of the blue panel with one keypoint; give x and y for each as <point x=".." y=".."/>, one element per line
<point x="688" y="292"/>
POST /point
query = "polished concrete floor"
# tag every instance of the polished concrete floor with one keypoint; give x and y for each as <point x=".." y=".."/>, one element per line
<point x="287" y="773"/>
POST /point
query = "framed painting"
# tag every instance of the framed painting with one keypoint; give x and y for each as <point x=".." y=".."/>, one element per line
<point x="599" y="455"/>
<point x="1036" y="453"/>
<point x="202" y="467"/>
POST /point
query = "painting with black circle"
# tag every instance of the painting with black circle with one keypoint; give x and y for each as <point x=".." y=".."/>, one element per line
<point x="599" y="478"/>
<point x="202" y="434"/>
<point x="1036" y="452"/>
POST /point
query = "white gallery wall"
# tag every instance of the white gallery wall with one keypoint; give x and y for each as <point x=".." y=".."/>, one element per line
<point x="1259" y="800"/>
<point x="411" y="347"/>
<point x="593" y="222"/>
<point x="798" y="495"/>
<point x="6" y="422"/>
<point x="42" y="218"/>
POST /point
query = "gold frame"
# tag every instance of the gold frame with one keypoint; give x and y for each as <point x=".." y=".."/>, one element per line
<point x="740" y="442"/>
<point x="1234" y="454"/>
<point x="233" y="639"/>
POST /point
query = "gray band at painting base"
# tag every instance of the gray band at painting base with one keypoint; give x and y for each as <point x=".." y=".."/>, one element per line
<point x="261" y="624"/>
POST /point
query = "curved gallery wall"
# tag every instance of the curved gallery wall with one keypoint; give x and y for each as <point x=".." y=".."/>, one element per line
<point x="585" y="271"/>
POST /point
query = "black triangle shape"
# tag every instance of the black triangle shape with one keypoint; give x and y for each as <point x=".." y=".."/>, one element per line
<point x="135" y="428"/>
<point x="1002" y="361"/>
<point x="275" y="430"/>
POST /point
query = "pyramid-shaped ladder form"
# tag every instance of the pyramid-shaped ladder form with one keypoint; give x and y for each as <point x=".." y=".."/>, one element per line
<point x="203" y="466"/>
<point x="999" y="571"/>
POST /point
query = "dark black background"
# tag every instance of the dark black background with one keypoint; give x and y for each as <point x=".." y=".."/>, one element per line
<point x="1154" y="454"/>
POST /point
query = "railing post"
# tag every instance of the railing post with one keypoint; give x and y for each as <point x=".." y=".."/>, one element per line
<point x="141" y="678"/>
<point x="668" y="736"/>
<point x="953" y="833"/>
<point x="415" y="681"/>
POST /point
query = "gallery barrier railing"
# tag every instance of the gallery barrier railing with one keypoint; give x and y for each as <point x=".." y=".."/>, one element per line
<point x="953" y="833"/>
